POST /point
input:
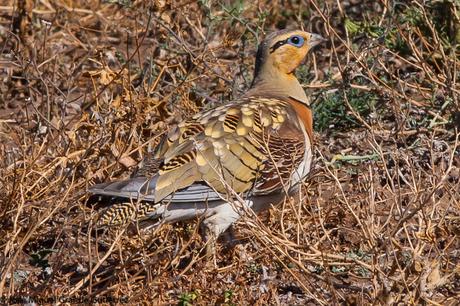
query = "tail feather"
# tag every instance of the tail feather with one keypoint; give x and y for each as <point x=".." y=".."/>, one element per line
<point x="137" y="188"/>
<point x="135" y="200"/>
<point x="123" y="213"/>
<point x="143" y="189"/>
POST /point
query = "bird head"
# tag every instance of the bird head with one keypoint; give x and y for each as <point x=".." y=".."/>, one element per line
<point x="282" y="52"/>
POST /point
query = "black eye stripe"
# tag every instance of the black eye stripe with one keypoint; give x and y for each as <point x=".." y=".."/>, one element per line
<point x="278" y="44"/>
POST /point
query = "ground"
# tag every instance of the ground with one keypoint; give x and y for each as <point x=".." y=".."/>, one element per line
<point x="88" y="88"/>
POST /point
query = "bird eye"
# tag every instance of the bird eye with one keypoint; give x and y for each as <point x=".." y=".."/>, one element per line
<point x="296" y="41"/>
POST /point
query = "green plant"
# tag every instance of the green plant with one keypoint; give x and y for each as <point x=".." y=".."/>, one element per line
<point x="187" y="298"/>
<point x="331" y="111"/>
<point x="228" y="296"/>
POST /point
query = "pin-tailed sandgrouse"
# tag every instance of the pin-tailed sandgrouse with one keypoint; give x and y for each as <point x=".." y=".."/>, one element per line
<point x="249" y="153"/>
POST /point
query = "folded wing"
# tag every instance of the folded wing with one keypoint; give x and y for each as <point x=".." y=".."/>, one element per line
<point x="251" y="146"/>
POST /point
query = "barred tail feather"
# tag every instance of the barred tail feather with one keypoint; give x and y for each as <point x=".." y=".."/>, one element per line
<point x="126" y="212"/>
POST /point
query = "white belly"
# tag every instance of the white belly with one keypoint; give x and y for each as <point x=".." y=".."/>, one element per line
<point x="304" y="167"/>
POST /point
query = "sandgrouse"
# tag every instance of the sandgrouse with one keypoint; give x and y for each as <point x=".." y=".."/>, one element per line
<point x="246" y="154"/>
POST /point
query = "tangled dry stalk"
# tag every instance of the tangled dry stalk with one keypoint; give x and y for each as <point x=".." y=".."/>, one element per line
<point x="88" y="88"/>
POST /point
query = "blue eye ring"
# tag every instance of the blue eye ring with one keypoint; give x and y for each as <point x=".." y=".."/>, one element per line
<point x="296" y="41"/>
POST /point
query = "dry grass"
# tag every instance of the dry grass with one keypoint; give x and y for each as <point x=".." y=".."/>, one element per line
<point x="88" y="88"/>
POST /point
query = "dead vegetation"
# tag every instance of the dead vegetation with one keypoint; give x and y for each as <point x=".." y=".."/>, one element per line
<point x="87" y="89"/>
